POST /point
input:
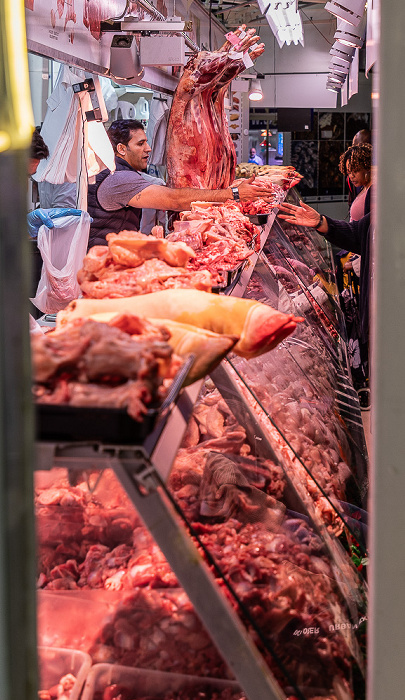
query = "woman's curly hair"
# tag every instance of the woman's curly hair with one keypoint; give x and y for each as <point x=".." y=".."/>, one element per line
<point x="357" y="158"/>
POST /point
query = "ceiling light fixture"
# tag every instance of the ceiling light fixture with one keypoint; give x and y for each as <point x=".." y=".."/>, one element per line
<point x="125" y="63"/>
<point x="284" y="20"/>
<point x="343" y="52"/>
<point x="255" y="90"/>
<point x="335" y="64"/>
<point x="349" y="10"/>
<point x="336" y="79"/>
<point x="350" y="36"/>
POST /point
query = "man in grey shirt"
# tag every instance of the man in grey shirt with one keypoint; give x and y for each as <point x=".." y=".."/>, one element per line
<point x="116" y="200"/>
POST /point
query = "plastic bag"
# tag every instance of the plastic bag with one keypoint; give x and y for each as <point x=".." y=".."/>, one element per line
<point x="62" y="249"/>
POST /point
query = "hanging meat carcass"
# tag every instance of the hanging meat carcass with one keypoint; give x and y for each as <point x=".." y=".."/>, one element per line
<point x="200" y="149"/>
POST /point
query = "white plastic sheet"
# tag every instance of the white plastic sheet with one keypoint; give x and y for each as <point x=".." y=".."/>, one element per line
<point x="62" y="249"/>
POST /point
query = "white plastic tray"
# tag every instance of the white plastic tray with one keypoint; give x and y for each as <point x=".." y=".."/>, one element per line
<point x="54" y="663"/>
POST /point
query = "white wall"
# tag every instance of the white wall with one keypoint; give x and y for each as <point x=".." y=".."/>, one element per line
<point x="296" y="75"/>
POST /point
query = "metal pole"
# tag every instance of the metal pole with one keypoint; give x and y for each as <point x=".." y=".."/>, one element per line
<point x="387" y="610"/>
<point x="18" y="677"/>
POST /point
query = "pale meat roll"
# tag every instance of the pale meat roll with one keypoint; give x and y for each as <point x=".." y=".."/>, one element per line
<point x="258" y="326"/>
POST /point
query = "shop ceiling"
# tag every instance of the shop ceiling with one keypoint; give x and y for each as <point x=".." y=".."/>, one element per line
<point x="233" y="13"/>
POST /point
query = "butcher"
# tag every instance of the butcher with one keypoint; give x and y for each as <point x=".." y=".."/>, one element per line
<point x="116" y="200"/>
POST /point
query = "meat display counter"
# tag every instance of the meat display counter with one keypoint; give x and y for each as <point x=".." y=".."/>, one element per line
<point x="254" y="494"/>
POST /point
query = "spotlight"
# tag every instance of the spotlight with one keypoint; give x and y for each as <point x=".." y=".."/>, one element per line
<point x="349" y="10"/>
<point x="350" y="36"/>
<point x="255" y="90"/>
<point x="124" y="58"/>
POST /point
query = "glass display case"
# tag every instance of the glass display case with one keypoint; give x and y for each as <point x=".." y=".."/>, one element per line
<point x="235" y="546"/>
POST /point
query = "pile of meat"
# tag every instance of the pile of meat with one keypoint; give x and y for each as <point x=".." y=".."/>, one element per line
<point x="60" y="691"/>
<point x="134" y="263"/>
<point x="277" y="566"/>
<point x="200" y="150"/>
<point x="263" y="206"/>
<point x="284" y="176"/>
<point x="220" y="235"/>
<point x="88" y="363"/>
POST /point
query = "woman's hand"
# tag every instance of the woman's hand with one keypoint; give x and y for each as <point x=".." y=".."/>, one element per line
<point x="301" y="216"/>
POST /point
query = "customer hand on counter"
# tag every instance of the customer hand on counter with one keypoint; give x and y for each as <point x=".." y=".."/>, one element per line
<point x="303" y="215"/>
<point x="38" y="217"/>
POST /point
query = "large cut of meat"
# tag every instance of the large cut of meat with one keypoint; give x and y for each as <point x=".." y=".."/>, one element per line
<point x="134" y="263"/>
<point x="200" y="149"/>
<point x="95" y="364"/>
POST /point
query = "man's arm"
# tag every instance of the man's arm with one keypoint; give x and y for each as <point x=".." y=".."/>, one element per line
<point x="158" y="197"/>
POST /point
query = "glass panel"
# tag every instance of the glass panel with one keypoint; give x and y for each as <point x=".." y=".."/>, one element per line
<point x="307" y="135"/>
<point x="256" y="529"/>
<point x="356" y="121"/>
<point x="304" y="158"/>
<point x="331" y="126"/>
<point x="331" y="180"/>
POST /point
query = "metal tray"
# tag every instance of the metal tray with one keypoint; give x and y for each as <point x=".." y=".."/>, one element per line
<point x="258" y="219"/>
<point x="228" y="277"/>
<point x="66" y="423"/>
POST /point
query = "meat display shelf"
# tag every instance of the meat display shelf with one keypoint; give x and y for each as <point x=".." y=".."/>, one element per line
<point x="144" y="470"/>
<point x="144" y="486"/>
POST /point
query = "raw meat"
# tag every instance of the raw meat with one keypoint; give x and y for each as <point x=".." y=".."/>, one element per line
<point x="94" y="364"/>
<point x="61" y="691"/>
<point x="130" y="248"/>
<point x="259" y="327"/>
<point x="200" y="150"/>
<point x="137" y="264"/>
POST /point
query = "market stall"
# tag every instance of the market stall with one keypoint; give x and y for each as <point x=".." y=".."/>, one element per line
<point x="200" y="510"/>
<point x="265" y="494"/>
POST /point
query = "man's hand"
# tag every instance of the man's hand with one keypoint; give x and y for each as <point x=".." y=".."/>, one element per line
<point x="301" y="216"/>
<point x="38" y="217"/>
<point x="249" y="190"/>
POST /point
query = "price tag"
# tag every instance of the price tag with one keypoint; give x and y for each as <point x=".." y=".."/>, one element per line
<point x="247" y="60"/>
<point x="232" y="38"/>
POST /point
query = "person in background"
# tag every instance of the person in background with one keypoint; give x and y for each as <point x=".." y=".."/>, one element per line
<point x="254" y="158"/>
<point x="363" y="136"/>
<point x="355" y="163"/>
<point x="38" y="217"/>
<point x="38" y="151"/>
<point x="354" y="236"/>
<point x="116" y="200"/>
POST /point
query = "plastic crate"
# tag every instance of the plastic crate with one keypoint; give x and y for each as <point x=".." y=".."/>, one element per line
<point x="153" y="684"/>
<point x="54" y="663"/>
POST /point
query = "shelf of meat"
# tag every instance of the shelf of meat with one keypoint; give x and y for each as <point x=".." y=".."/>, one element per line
<point x="267" y="492"/>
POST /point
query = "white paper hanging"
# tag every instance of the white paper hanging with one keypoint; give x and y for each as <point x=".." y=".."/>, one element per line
<point x="373" y="33"/>
<point x="353" y="79"/>
<point x="343" y="94"/>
